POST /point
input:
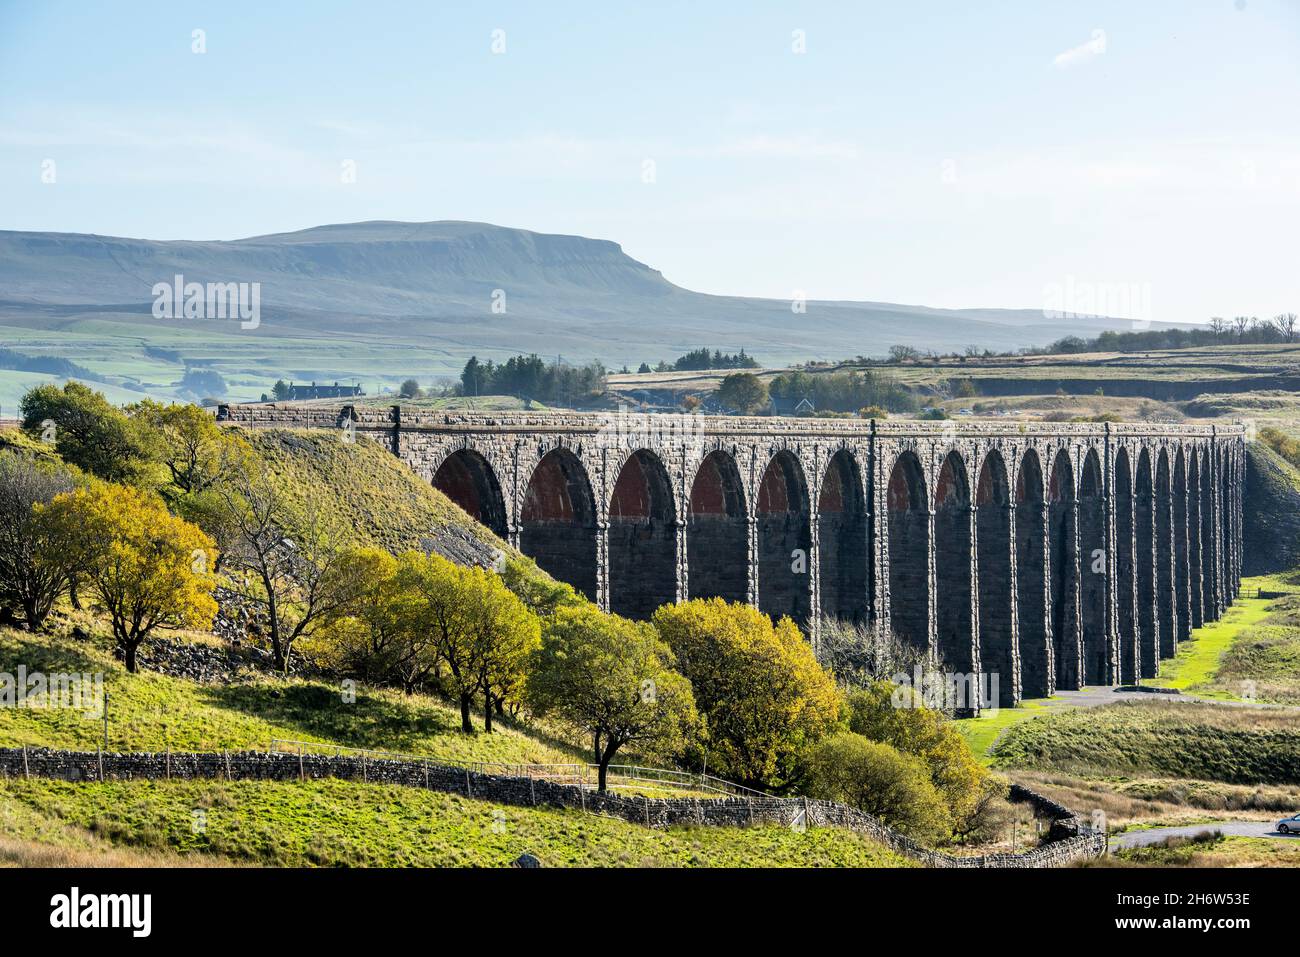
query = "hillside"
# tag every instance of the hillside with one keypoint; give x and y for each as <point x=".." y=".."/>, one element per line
<point x="1271" y="530"/>
<point x="381" y="301"/>
<point x="384" y="502"/>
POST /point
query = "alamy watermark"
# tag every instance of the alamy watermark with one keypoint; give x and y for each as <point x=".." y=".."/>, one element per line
<point x="78" y="691"/>
<point x="1077" y="299"/>
<point x="179" y="299"/>
<point x="945" y="690"/>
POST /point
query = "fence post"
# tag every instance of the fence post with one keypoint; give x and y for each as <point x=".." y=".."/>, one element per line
<point x="27" y="771"/>
<point x="169" y="762"/>
<point x="646" y="799"/>
<point x="426" y="774"/>
<point x="100" y="752"/>
<point x="750" y="802"/>
<point x="532" y="788"/>
<point x="469" y="787"/>
<point x="365" y="769"/>
<point x="302" y="775"/>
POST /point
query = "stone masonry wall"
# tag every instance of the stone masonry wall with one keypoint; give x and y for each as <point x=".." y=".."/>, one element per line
<point x="1062" y="479"/>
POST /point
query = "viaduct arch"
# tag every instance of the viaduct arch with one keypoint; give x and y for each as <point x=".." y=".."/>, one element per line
<point x="1052" y="555"/>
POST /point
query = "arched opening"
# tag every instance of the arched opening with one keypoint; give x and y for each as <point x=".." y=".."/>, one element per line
<point x="466" y="478"/>
<point x="909" y="552"/>
<point x="1094" y="566"/>
<point x="1063" y="561"/>
<point x="717" y="540"/>
<point x="996" y="577"/>
<point x="842" y="541"/>
<point x="1145" y="527"/>
<point x="558" y="524"/>
<point x="1125" y="583"/>
<point x="1036" y="677"/>
<point x="1182" y="574"/>
<point x="784" y="541"/>
<point x="642" y="538"/>
<point x="954" y="601"/>
<point x="1209" y="592"/>
<point x="1196" y="599"/>
<point x="1166" y="617"/>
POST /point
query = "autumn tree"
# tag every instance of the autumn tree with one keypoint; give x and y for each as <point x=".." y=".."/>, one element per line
<point x="612" y="680"/>
<point x="763" y="694"/>
<point x="36" y="563"/>
<point x="144" y="566"/>
<point x="370" y="642"/>
<point x="504" y="634"/>
<point x="897" y="716"/>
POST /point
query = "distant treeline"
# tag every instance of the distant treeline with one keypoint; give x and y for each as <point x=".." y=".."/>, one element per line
<point x="50" y="365"/>
<point x="531" y="377"/>
<point x="843" y="391"/>
<point x="1241" y="329"/>
<point x="699" y="360"/>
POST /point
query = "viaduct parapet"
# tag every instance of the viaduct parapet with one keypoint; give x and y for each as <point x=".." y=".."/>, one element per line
<point x="1052" y="555"/>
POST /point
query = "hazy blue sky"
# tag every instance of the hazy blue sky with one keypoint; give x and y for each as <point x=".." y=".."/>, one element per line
<point x="954" y="154"/>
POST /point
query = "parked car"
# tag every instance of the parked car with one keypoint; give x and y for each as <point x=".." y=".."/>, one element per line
<point x="1289" y="825"/>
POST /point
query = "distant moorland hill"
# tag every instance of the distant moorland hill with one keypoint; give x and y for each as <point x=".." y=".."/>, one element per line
<point x="379" y="301"/>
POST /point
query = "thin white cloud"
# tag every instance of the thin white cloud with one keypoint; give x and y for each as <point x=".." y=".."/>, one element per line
<point x="1083" y="53"/>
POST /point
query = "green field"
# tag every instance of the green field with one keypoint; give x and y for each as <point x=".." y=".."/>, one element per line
<point x="348" y="824"/>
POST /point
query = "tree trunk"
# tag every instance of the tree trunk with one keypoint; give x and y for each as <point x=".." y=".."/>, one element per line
<point x="72" y="595"/>
<point x="603" y="761"/>
<point x="487" y="711"/>
<point x="465" y="724"/>
<point x="595" y="747"/>
<point x="128" y="648"/>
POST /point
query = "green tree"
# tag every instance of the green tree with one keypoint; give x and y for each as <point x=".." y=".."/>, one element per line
<point x="145" y="567"/>
<point x="410" y="389"/>
<point x="763" y="694"/>
<point x="280" y="391"/>
<point x="878" y="779"/>
<point x="743" y="392"/>
<point x="196" y="454"/>
<point x="87" y="431"/>
<point x="612" y="680"/>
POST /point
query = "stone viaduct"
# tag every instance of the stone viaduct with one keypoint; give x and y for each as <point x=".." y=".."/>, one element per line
<point x="1053" y="555"/>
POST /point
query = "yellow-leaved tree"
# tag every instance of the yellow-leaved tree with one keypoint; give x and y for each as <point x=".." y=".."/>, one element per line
<point x="763" y="694"/>
<point x="144" y="566"/>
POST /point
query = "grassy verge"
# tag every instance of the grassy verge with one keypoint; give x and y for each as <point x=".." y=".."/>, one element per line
<point x="981" y="733"/>
<point x="1197" y="662"/>
<point x="336" y="823"/>
<point x="1214" y="850"/>
<point x="1160" y="739"/>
